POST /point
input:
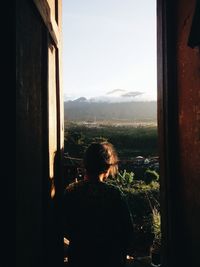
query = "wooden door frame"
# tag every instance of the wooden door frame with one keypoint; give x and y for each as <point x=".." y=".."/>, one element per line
<point x="53" y="206"/>
<point x="167" y="110"/>
<point x="50" y="22"/>
<point x="167" y="101"/>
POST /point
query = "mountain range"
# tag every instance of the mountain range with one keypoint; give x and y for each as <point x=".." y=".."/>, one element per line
<point x="81" y="110"/>
<point x="115" y="105"/>
<point x="116" y="96"/>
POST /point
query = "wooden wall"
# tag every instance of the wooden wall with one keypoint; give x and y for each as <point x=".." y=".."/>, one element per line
<point x="39" y="119"/>
<point x="179" y="133"/>
<point x="188" y="84"/>
<point x="31" y="62"/>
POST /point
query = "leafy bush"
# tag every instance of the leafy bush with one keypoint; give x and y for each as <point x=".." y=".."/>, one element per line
<point x="156" y="229"/>
<point x="150" y="176"/>
<point x="143" y="202"/>
<point x="125" y="179"/>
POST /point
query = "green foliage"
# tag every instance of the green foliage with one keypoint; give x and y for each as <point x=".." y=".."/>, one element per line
<point x="143" y="202"/>
<point x="150" y="176"/>
<point x="156" y="229"/>
<point x="125" y="179"/>
<point x="129" y="141"/>
<point x="127" y="182"/>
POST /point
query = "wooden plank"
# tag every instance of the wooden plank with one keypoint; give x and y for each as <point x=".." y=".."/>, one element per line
<point x="49" y="19"/>
<point x="52" y="7"/>
<point x="60" y="53"/>
<point x="55" y="32"/>
<point x="52" y="99"/>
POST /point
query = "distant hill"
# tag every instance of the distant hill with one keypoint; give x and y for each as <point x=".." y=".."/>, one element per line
<point x="80" y="99"/>
<point x="125" y="111"/>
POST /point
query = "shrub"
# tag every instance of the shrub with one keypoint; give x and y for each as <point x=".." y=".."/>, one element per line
<point x="150" y="176"/>
<point x="143" y="201"/>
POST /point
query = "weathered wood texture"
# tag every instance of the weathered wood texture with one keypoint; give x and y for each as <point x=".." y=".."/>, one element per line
<point x="188" y="83"/>
<point x="54" y="241"/>
<point x="31" y="120"/>
<point x="167" y="127"/>
<point x="178" y="122"/>
<point x="48" y="12"/>
<point x="39" y="136"/>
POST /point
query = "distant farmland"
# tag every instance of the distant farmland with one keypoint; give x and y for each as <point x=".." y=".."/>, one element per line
<point x="129" y="140"/>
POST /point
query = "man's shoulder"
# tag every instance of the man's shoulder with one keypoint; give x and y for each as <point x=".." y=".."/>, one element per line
<point x="88" y="186"/>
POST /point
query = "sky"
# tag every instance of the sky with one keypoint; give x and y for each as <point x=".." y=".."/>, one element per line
<point x="109" y="45"/>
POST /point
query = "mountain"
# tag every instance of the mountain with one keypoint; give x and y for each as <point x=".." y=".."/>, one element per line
<point x="80" y="99"/>
<point x="85" y="110"/>
<point x="117" y="96"/>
